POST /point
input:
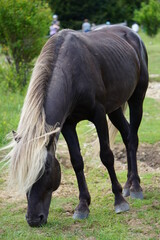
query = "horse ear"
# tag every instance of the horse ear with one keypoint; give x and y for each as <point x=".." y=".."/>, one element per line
<point x="16" y="138"/>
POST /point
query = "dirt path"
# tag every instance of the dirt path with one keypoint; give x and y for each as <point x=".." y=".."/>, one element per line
<point x="153" y="90"/>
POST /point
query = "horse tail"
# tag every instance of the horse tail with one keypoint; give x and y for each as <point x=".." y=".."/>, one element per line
<point x="144" y="53"/>
<point x="112" y="133"/>
<point x="112" y="129"/>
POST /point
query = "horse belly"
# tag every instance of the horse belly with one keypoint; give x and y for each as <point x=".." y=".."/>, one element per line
<point x="119" y="85"/>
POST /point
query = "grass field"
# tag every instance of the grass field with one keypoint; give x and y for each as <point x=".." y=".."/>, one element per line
<point x="149" y="131"/>
<point x="142" y="222"/>
<point x="153" y="49"/>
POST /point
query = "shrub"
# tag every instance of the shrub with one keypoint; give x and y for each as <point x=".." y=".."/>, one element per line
<point x="24" y="26"/>
<point x="149" y="16"/>
<point x="10" y="80"/>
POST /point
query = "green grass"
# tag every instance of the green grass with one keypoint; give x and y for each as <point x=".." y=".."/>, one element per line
<point x="10" y="105"/>
<point x="150" y="127"/>
<point x="153" y="49"/>
<point x="141" y="222"/>
<point x="149" y="131"/>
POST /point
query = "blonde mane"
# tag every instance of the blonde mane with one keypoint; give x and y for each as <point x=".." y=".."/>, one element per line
<point x="28" y="155"/>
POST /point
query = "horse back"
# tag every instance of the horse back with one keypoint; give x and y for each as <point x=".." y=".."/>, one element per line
<point x="101" y="66"/>
<point x="112" y="69"/>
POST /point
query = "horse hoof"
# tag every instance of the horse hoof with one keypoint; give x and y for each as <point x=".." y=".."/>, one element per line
<point x="80" y="215"/>
<point x="137" y="195"/>
<point x="126" y="192"/>
<point x="122" y="207"/>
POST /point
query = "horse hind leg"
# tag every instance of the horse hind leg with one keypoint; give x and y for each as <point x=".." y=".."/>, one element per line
<point x="135" y="120"/>
<point x="130" y="138"/>
<point x="70" y="135"/>
<point x="136" y="112"/>
<point x="119" y="121"/>
<point x="107" y="157"/>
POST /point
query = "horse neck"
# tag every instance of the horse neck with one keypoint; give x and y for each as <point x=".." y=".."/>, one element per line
<point x="59" y="99"/>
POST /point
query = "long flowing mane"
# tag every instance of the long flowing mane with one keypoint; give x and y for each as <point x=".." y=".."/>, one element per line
<point x="28" y="154"/>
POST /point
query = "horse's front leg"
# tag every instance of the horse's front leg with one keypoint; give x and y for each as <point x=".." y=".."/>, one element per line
<point x="107" y="157"/>
<point x="70" y="135"/>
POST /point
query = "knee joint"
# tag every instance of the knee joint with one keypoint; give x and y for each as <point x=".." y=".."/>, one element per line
<point x="107" y="158"/>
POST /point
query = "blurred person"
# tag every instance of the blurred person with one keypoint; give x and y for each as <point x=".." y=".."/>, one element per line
<point x="135" y="27"/>
<point x="55" y="20"/>
<point x="86" y="26"/>
<point x="54" y="28"/>
<point x="93" y="25"/>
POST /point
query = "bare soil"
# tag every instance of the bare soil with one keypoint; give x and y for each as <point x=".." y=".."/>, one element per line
<point x="153" y="90"/>
<point x="148" y="156"/>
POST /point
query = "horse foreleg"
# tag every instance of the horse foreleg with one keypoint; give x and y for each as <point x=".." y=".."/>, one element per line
<point x="70" y="135"/>
<point x="107" y="157"/>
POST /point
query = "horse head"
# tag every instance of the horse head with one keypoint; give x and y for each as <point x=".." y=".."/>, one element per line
<point x="39" y="195"/>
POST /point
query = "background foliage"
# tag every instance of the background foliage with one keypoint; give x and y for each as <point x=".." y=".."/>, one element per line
<point x="72" y="13"/>
<point x="149" y="16"/>
<point x="24" y="25"/>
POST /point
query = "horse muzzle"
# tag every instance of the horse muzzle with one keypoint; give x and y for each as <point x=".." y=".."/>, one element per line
<point x="38" y="221"/>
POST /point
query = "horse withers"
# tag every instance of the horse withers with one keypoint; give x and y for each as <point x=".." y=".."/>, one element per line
<point x="79" y="76"/>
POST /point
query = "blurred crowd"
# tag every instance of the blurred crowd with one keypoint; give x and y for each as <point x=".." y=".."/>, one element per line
<point x="86" y="26"/>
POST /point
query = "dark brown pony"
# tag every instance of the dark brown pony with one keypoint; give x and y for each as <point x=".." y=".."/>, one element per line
<point x="79" y="76"/>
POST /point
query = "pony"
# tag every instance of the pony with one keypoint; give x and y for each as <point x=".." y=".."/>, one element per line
<point x="79" y="76"/>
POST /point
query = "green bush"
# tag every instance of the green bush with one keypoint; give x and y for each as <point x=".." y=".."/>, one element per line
<point x="149" y="16"/>
<point x="11" y="80"/>
<point x="24" y="28"/>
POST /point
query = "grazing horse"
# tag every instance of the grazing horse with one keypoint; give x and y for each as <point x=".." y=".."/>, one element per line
<point x="79" y="76"/>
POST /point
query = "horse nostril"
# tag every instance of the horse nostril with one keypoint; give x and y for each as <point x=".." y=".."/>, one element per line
<point x="41" y="217"/>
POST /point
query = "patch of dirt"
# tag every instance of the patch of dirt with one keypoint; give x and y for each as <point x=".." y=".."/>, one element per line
<point x="153" y="90"/>
<point x="148" y="155"/>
